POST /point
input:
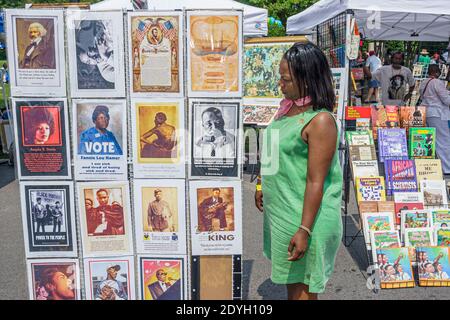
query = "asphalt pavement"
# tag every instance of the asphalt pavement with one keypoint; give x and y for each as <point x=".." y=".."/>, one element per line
<point x="348" y="281"/>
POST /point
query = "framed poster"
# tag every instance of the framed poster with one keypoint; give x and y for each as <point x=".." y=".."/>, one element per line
<point x="214" y="53"/>
<point x="41" y="132"/>
<point x="36" y="52"/>
<point x="260" y="115"/>
<point x="216" y="217"/>
<point x="160" y="216"/>
<point x="95" y="45"/>
<point x="100" y="139"/>
<point x="105" y="218"/>
<point x="339" y="84"/>
<point x="53" y="279"/>
<point x="158" y="134"/>
<point x="215" y="139"/>
<point x="156" y="53"/>
<point x="48" y="217"/>
<point x="109" y="278"/>
<point x="163" y="278"/>
<point x="262" y="58"/>
<point x="395" y="267"/>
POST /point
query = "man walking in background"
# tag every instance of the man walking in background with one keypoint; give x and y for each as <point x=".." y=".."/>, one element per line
<point x="373" y="63"/>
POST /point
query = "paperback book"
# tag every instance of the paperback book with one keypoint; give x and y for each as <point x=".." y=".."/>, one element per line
<point x="384" y="117"/>
<point x="428" y="169"/>
<point x="363" y="153"/>
<point x="433" y="266"/>
<point x="422" y="143"/>
<point x="392" y="144"/>
<point x="412" y="117"/>
<point x="400" y="176"/>
<point x="395" y="268"/>
<point x="434" y="193"/>
<point x="365" y="169"/>
<point x="370" y="189"/>
<point x="407" y="201"/>
<point x="358" y="138"/>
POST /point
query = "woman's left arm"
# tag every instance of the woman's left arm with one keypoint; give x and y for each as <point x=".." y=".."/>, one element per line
<point x="321" y="136"/>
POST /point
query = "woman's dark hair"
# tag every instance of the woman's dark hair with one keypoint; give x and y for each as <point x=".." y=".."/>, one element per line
<point x="100" y="109"/>
<point x="34" y="118"/>
<point x="433" y="68"/>
<point x="310" y="68"/>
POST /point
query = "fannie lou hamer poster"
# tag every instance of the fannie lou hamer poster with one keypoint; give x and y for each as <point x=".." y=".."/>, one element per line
<point x="36" y="52"/>
<point x="100" y="144"/>
<point x="96" y="51"/>
<point x="41" y="128"/>
<point x="48" y="216"/>
<point x="215" y="142"/>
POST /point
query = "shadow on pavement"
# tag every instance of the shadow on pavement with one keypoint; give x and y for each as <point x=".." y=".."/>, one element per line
<point x="357" y="247"/>
<point x="271" y="291"/>
<point x="7" y="174"/>
<point x="246" y="273"/>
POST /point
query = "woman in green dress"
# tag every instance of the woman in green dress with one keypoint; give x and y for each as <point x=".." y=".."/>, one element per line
<point x="301" y="177"/>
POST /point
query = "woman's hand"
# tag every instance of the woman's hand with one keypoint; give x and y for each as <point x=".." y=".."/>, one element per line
<point x="298" y="245"/>
<point x="259" y="200"/>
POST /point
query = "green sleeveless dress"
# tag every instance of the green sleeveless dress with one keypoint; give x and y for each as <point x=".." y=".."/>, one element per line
<point x="283" y="186"/>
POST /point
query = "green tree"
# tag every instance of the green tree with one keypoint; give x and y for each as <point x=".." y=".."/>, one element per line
<point x="281" y="10"/>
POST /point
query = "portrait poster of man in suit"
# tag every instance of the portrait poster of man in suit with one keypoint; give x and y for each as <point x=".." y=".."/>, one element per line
<point x="162" y="279"/>
<point x="215" y="209"/>
<point x="36" y="43"/>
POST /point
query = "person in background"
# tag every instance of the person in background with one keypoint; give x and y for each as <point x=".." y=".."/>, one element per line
<point x="393" y="80"/>
<point x="436" y="98"/>
<point x="373" y="63"/>
<point x="424" y="57"/>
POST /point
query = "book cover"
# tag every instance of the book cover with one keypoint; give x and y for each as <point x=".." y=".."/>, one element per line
<point x="415" y="219"/>
<point x="395" y="268"/>
<point x="433" y="266"/>
<point x="358" y="138"/>
<point x="362" y="124"/>
<point x="365" y="169"/>
<point x="442" y="236"/>
<point x="384" y="117"/>
<point x="412" y="117"/>
<point x="434" y="193"/>
<point x="400" y="176"/>
<point x="370" y="189"/>
<point x="441" y="218"/>
<point x="407" y="201"/>
<point x="415" y="237"/>
<point x="392" y="144"/>
<point x="362" y="153"/>
<point x="383" y="239"/>
<point x="422" y="143"/>
<point x="357" y="112"/>
<point x="428" y="169"/>
<point x="377" y="221"/>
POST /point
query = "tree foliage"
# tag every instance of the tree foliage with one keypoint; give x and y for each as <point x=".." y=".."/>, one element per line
<point x="281" y="10"/>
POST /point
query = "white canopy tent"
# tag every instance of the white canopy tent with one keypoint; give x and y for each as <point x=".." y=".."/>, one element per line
<point x="407" y="20"/>
<point x="255" y="19"/>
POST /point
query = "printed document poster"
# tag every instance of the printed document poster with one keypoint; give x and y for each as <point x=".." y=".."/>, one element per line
<point x="216" y="217"/>
<point x="214" y="53"/>
<point x="105" y="217"/>
<point x="42" y="142"/>
<point x="156" y="53"/>
<point x="54" y="279"/>
<point x="160" y="216"/>
<point x="162" y="278"/>
<point x="36" y="56"/>
<point x="109" y="278"/>
<point x="215" y="138"/>
<point x="95" y="45"/>
<point x="48" y="216"/>
<point x="158" y="133"/>
<point x="99" y="133"/>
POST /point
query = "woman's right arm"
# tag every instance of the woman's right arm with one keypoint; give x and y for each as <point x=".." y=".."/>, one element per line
<point x="442" y="92"/>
